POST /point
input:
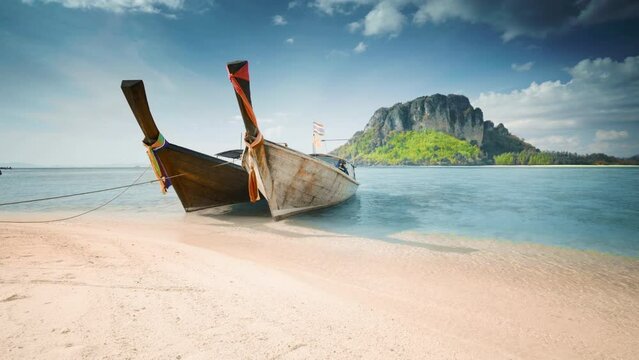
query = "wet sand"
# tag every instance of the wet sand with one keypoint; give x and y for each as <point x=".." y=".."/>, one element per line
<point x="182" y="287"/>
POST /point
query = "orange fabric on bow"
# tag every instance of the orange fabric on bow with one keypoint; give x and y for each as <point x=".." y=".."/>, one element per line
<point x="156" y="164"/>
<point x="242" y="73"/>
<point x="254" y="193"/>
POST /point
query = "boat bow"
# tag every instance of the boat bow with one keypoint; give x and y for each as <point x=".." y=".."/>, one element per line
<point x="291" y="182"/>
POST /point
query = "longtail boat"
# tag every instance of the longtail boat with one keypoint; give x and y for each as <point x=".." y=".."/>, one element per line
<point x="292" y="182"/>
<point x="200" y="181"/>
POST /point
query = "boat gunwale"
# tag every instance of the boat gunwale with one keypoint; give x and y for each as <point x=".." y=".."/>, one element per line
<point x="309" y="157"/>
<point x="332" y="157"/>
<point x="218" y="160"/>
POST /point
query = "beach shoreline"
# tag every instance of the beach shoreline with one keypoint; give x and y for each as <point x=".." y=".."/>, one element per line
<point x="199" y="286"/>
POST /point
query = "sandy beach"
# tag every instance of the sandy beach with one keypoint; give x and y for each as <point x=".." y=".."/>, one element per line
<point x="200" y="287"/>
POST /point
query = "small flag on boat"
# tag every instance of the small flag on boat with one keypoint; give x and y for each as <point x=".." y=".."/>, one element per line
<point x="318" y="128"/>
<point x="318" y="132"/>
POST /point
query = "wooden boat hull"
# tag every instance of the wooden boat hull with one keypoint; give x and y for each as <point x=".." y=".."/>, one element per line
<point x="293" y="182"/>
<point x="202" y="181"/>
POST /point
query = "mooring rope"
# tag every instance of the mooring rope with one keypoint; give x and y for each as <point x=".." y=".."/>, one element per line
<point x="124" y="187"/>
<point x="89" y="192"/>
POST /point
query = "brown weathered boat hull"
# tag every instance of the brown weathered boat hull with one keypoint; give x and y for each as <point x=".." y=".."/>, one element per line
<point x="294" y="183"/>
<point x="203" y="181"/>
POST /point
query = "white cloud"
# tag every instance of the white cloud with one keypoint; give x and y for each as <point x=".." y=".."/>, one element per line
<point x="384" y="19"/>
<point x="610" y="142"/>
<point x="556" y="142"/>
<point x="118" y="6"/>
<point x="599" y="11"/>
<point x="511" y="18"/>
<point x="331" y="7"/>
<point x="600" y="92"/>
<point x="437" y="12"/>
<point x="279" y="20"/>
<point x="360" y="48"/>
<point x="610" y="135"/>
<point x="522" y="67"/>
<point x="289" y="40"/>
<point x="354" y="26"/>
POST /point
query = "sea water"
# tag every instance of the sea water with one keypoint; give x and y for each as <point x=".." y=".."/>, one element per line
<point x="590" y="208"/>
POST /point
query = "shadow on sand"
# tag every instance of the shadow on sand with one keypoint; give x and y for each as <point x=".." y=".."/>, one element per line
<point x="340" y="221"/>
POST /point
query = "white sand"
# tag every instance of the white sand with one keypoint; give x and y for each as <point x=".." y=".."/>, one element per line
<point x="198" y="287"/>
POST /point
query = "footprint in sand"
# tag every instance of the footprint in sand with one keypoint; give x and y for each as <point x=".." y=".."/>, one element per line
<point x="14" y="297"/>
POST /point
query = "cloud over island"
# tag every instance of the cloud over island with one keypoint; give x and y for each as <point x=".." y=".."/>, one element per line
<point x="601" y="93"/>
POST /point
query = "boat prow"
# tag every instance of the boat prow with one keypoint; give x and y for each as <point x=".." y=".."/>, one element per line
<point x="292" y="182"/>
<point x="200" y="181"/>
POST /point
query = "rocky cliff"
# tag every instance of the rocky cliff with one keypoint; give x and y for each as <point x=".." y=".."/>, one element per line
<point x="451" y="114"/>
<point x="498" y="140"/>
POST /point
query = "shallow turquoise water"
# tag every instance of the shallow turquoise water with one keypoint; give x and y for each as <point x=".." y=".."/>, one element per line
<point x="595" y="208"/>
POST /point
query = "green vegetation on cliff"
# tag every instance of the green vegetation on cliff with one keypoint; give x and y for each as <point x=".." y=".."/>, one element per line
<point x="447" y="130"/>
<point x="430" y="130"/>
<point x="524" y="158"/>
<point x="425" y="147"/>
<point x="531" y="157"/>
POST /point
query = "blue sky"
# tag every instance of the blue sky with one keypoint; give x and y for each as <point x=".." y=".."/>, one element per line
<point x="562" y="74"/>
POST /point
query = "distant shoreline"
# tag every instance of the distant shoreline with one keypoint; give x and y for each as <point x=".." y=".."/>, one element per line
<point x="73" y="167"/>
<point x="359" y="166"/>
<point x="497" y="166"/>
